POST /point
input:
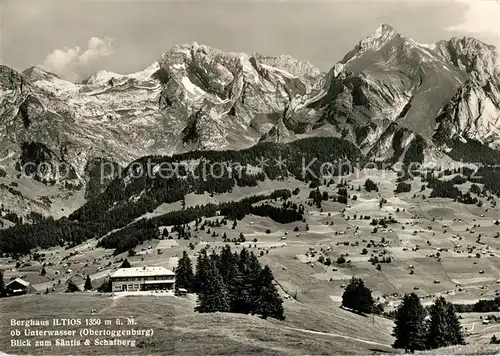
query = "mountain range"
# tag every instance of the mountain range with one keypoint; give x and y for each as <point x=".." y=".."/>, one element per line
<point x="389" y="96"/>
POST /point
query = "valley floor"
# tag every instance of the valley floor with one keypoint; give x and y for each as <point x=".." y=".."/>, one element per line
<point x="450" y="247"/>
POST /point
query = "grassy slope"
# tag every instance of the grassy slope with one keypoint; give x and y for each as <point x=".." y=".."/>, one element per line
<point x="318" y="289"/>
<point x="466" y="350"/>
<point x="31" y="195"/>
<point x="179" y="330"/>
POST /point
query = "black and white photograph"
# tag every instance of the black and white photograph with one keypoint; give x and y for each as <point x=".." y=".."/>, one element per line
<point x="249" y="177"/>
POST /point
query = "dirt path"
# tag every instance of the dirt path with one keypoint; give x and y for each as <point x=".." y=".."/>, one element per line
<point x="114" y="302"/>
<point x="491" y="327"/>
<point x="241" y="338"/>
<point x="424" y="214"/>
<point x="337" y="335"/>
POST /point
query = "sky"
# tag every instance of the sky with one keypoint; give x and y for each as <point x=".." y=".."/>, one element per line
<point x="74" y="39"/>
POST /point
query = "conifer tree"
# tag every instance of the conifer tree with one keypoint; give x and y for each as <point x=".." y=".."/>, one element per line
<point x="71" y="287"/>
<point x="88" y="284"/>
<point x="228" y="268"/>
<point x="253" y="266"/>
<point x="249" y="268"/>
<point x="226" y="260"/>
<point x="268" y="303"/>
<point x="105" y="287"/>
<point x="358" y="297"/>
<point x="184" y="276"/>
<point x="234" y="283"/>
<point x="214" y="257"/>
<point x="456" y="336"/>
<point x="370" y="185"/>
<point x="409" y="331"/>
<point x="200" y="279"/>
<point x="443" y="326"/>
<point x="213" y="296"/>
<point x="125" y="264"/>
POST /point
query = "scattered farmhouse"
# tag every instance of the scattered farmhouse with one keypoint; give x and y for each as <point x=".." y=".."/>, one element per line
<point x="18" y="286"/>
<point x="142" y="279"/>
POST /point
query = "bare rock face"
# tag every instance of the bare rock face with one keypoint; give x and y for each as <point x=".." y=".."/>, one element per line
<point x="229" y="99"/>
<point x="193" y="97"/>
<point x="388" y="81"/>
<point x="79" y="122"/>
<point x="440" y="93"/>
<point x="470" y="55"/>
<point x="474" y="110"/>
<point x="14" y="89"/>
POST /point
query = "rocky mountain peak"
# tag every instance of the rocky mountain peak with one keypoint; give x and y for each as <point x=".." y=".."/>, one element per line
<point x="474" y="111"/>
<point x="384" y="34"/>
<point x="36" y="73"/>
<point x="14" y="88"/>
<point x="9" y="78"/>
<point x="470" y="44"/>
<point x="287" y="63"/>
<point x="198" y="97"/>
<point x="470" y="55"/>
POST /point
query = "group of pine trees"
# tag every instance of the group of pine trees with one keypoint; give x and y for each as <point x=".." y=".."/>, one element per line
<point x="473" y="151"/>
<point x="370" y="186"/>
<point x="71" y="286"/>
<point x="490" y="177"/>
<point x="447" y="189"/>
<point x="414" y="330"/>
<point x="481" y="306"/>
<point x="444" y="189"/>
<point x="317" y="197"/>
<point x="230" y="282"/>
<point x="402" y="187"/>
<point x="114" y="208"/>
<point x="147" y="229"/>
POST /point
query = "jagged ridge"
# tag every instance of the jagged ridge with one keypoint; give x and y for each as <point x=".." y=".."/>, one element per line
<point x="197" y="98"/>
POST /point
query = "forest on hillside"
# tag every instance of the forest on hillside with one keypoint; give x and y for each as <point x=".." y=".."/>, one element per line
<point x="126" y="199"/>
